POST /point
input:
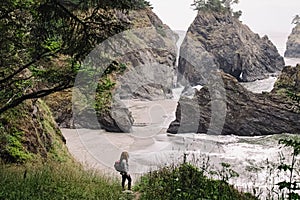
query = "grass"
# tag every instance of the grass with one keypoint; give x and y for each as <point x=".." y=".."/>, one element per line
<point x="55" y="181"/>
<point x="186" y="182"/>
<point x="69" y="180"/>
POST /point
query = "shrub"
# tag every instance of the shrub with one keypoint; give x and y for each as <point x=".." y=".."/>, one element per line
<point x="289" y="187"/>
<point x="185" y="182"/>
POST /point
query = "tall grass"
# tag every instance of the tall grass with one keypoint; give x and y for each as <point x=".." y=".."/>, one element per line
<point x="55" y="181"/>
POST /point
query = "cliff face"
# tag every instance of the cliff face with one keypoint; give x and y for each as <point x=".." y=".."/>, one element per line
<point x="293" y="43"/>
<point x="220" y="41"/>
<point x="149" y="51"/>
<point x="141" y="65"/>
<point x="235" y="111"/>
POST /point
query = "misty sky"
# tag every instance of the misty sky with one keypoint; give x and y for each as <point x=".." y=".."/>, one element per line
<point x="262" y="16"/>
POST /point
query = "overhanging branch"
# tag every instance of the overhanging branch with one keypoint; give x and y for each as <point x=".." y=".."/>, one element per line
<point x="20" y="69"/>
<point x="35" y="95"/>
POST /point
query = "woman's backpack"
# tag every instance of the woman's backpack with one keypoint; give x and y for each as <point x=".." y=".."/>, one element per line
<point x="118" y="166"/>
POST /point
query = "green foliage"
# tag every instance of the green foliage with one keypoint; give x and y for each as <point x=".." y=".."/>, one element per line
<point x="294" y="143"/>
<point x="52" y="44"/>
<point x="185" y="182"/>
<point x="104" y="94"/>
<point x="229" y="3"/>
<point x="214" y="5"/>
<point x="106" y="85"/>
<point x="290" y="95"/>
<point x="122" y="67"/>
<point x="11" y="147"/>
<point x="226" y="172"/>
<point x="217" y="6"/>
<point x="116" y="4"/>
<point x="291" y="185"/>
<point x="38" y="37"/>
<point x="115" y="67"/>
<point x="293" y="95"/>
<point x="14" y="148"/>
<point x="54" y="181"/>
<point x="29" y="133"/>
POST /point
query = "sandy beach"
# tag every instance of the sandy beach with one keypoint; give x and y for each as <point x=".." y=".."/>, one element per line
<point x="98" y="149"/>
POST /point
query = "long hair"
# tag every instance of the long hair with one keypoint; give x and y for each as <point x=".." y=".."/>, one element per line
<point x="124" y="155"/>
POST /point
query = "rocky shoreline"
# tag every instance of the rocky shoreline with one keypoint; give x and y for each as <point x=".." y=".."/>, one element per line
<point x="238" y="111"/>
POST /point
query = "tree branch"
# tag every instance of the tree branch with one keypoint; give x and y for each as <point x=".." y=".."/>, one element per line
<point x="35" y="95"/>
<point x="70" y="13"/>
<point x="9" y="77"/>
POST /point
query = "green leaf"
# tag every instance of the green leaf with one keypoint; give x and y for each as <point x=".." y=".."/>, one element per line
<point x="283" y="185"/>
<point x="52" y="44"/>
<point x="285" y="167"/>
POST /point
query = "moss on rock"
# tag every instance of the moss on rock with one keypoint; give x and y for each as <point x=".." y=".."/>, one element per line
<point x="29" y="133"/>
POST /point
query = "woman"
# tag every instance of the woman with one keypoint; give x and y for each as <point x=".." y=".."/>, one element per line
<point x="125" y="174"/>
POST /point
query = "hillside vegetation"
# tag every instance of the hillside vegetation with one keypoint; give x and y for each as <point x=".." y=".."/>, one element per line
<point x="52" y="181"/>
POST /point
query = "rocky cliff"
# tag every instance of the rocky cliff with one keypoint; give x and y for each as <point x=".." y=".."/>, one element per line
<point x="149" y="52"/>
<point x="293" y="43"/>
<point x="217" y="40"/>
<point x="235" y="110"/>
<point x="138" y="63"/>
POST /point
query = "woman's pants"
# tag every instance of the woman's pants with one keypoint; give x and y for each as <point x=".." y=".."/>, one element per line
<point x="124" y="177"/>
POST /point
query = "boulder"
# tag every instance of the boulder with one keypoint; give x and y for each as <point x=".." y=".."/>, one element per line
<point x="118" y="120"/>
<point x="228" y="108"/>
<point x="293" y="43"/>
<point x="218" y="40"/>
